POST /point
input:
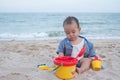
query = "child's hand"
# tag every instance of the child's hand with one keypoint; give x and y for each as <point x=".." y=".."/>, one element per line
<point x="61" y="54"/>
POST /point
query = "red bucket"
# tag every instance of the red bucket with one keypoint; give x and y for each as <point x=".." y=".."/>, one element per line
<point x="65" y="61"/>
<point x="67" y="69"/>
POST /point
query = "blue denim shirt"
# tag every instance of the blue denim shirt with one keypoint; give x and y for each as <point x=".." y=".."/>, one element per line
<point x="66" y="47"/>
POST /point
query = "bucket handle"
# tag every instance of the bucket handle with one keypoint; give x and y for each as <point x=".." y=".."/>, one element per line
<point x="57" y="67"/>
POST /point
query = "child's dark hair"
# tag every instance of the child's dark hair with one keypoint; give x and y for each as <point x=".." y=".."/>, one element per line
<point x="69" y="20"/>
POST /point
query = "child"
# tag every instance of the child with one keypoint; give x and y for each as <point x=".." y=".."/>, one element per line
<point x="73" y="43"/>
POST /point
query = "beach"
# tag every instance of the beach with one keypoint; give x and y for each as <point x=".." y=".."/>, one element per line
<point x="19" y="60"/>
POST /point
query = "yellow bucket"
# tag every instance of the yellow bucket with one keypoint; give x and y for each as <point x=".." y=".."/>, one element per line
<point x="68" y="68"/>
<point x="96" y="65"/>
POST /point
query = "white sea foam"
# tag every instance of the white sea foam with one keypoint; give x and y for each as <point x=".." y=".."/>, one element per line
<point x="44" y="36"/>
<point x="21" y="36"/>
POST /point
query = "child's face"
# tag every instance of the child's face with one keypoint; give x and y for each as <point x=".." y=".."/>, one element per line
<point x="72" y="31"/>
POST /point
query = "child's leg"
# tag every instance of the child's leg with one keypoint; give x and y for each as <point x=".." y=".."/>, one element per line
<point x="85" y="65"/>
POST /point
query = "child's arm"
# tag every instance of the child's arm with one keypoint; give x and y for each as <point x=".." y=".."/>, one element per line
<point x="92" y="52"/>
<point x="60" y="50"/>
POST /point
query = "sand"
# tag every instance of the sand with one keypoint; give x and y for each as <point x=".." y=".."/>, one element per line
<point x="19" y="60"/>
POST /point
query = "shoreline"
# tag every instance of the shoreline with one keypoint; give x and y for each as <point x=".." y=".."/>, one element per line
<point x="19" y="60"/>
<point x="58" y="38"/>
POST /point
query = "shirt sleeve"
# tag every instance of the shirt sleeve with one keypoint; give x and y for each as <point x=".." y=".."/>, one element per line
<point x="92" y="52"/>
<point x="60" y="47"/>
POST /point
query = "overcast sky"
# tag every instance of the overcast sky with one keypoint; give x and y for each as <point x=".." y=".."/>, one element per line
<point x="59" y="5"/>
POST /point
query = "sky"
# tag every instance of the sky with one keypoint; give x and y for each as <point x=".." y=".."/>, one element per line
<point x="59" y="5"/>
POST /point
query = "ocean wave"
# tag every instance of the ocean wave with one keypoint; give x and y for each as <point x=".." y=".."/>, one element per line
<point x="23" y="35"/>
<point x="47" y="35"/>
<point x="37" y="35"/>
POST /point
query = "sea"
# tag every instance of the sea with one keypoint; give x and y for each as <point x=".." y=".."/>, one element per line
<point x="46" y="26"/>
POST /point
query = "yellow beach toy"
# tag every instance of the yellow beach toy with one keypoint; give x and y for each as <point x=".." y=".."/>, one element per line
<point x="65" y="67"/>
<point x="96" y="64"/>
<point x="68" y="68"/>
<point x="45" y="67"/>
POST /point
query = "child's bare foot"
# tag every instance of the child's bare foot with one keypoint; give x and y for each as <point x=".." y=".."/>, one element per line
<point x="79" y="71"/>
